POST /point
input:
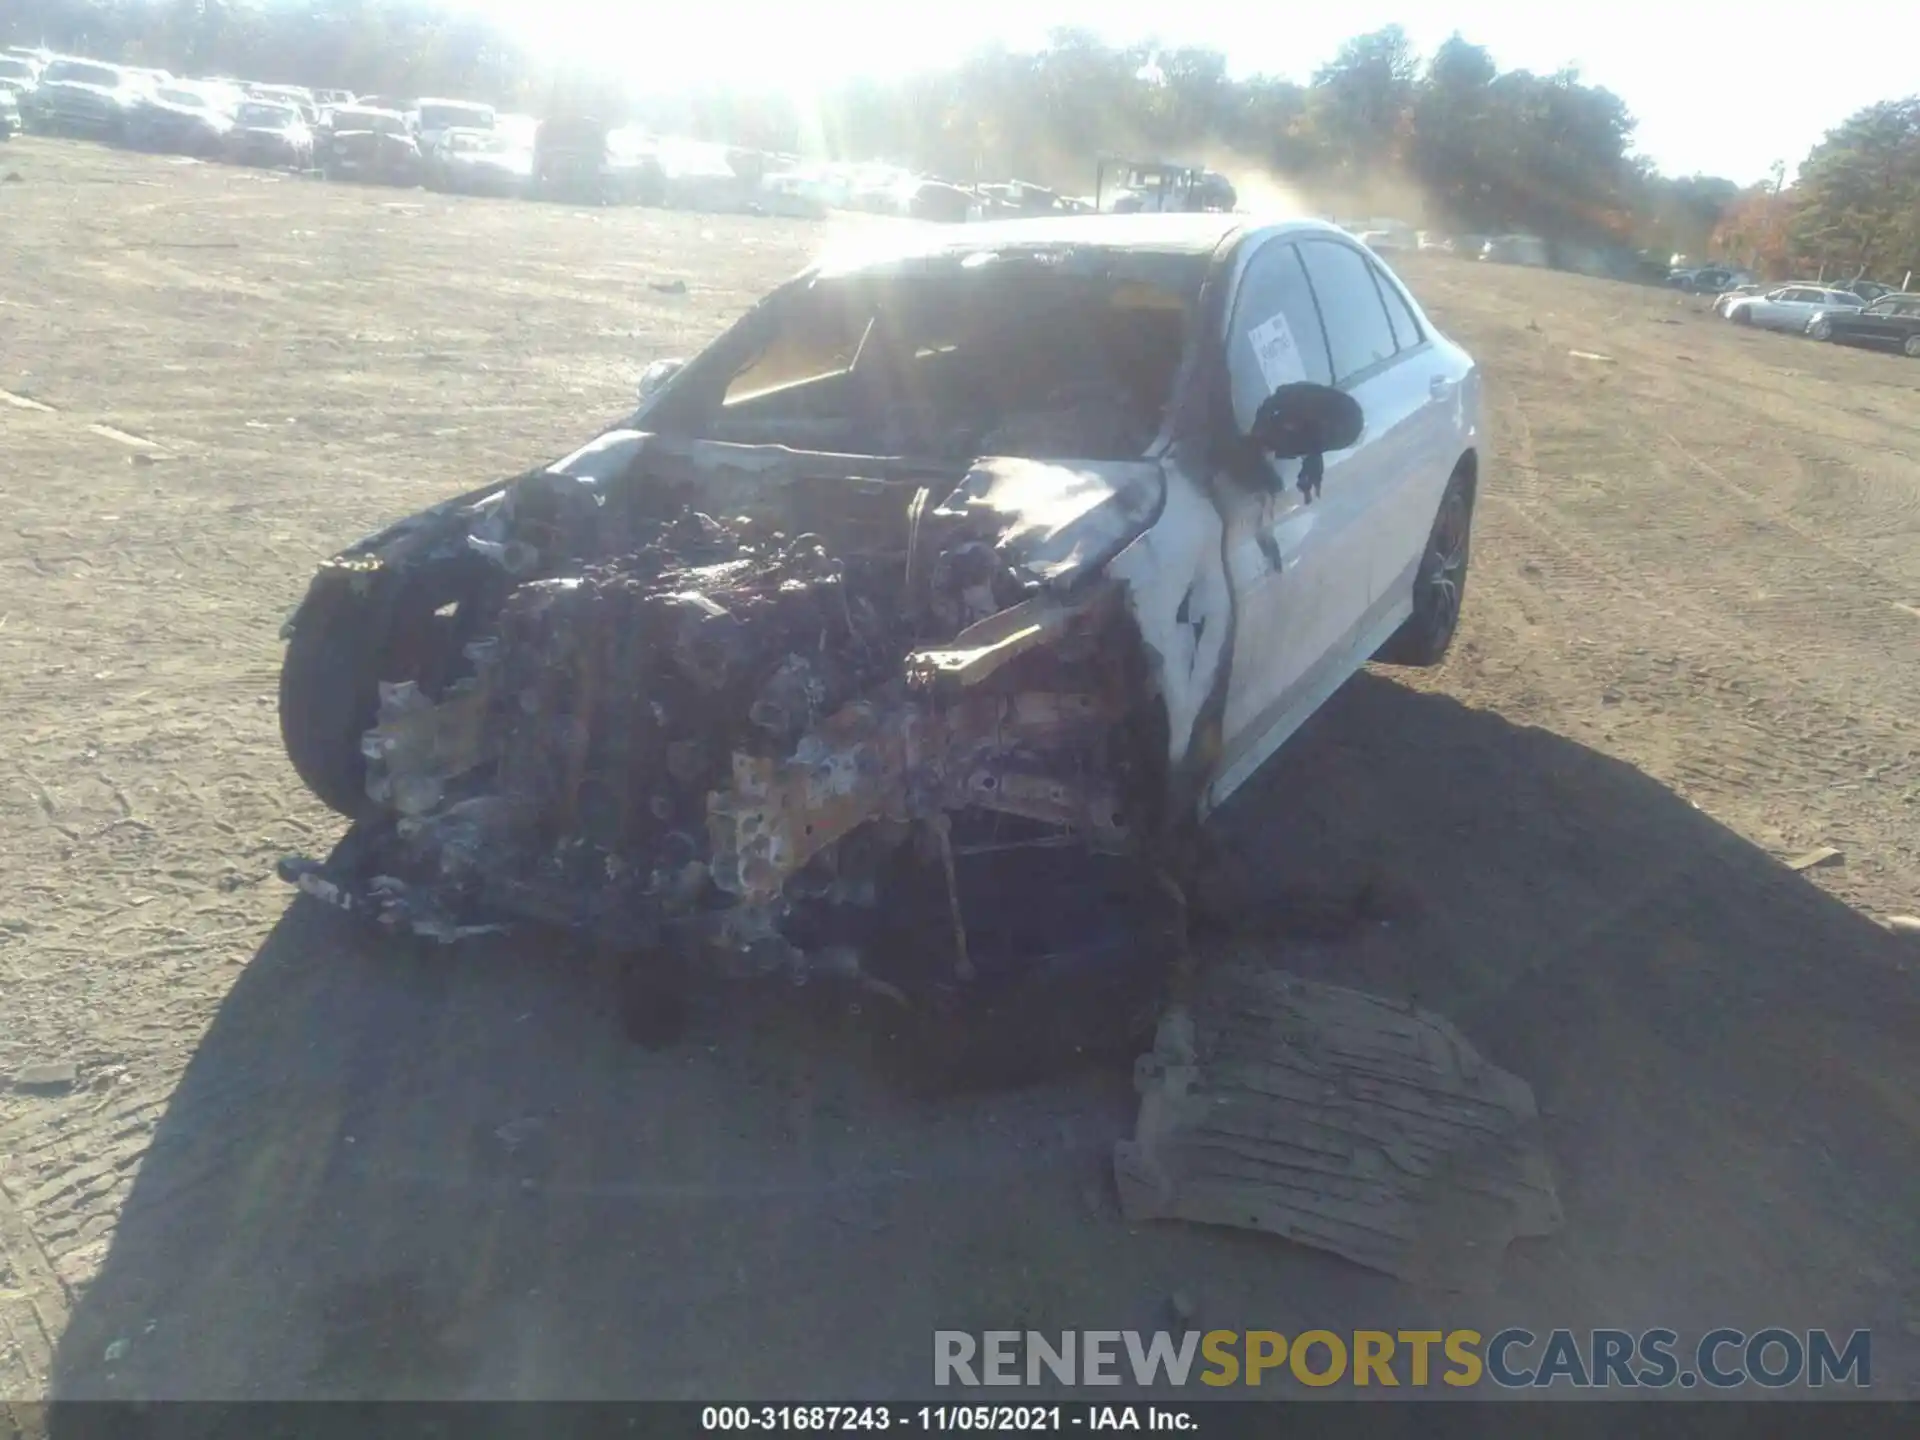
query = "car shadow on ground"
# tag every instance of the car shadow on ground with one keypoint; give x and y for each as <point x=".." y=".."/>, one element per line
<point x="393" y="1175"/>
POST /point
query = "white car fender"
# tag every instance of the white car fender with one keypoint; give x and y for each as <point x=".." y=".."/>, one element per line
<point x="1181" y="603"/>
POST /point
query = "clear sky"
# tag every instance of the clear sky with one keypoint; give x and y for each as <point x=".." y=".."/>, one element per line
<point x="1714" y="87"/>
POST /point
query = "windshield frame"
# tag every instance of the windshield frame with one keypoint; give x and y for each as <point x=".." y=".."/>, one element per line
<point x="695" y="404"/>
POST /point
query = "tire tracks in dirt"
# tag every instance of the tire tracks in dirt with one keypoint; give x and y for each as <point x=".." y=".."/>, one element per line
<point x="1770" y="720"/>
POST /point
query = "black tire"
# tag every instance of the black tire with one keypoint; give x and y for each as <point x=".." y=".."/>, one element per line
<point x="344" y="644"/>
<point x="1743" y="315"/>
<point x="1440" y="584"/>
<point x="329" y="694"/>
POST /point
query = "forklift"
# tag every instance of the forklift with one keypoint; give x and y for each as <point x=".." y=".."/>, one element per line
<point x="1124" y="187"/>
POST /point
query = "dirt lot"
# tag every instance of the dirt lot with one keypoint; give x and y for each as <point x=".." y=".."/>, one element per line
<point x="294" y="1166"/>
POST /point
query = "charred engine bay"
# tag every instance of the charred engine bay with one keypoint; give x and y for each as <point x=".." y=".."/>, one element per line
<point x="663" y="716"/>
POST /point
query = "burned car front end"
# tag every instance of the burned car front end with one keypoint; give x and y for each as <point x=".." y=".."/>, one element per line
<point x="832" y="661"/>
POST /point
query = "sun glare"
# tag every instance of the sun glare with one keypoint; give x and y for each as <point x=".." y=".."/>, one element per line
<point x="800" y="53"/>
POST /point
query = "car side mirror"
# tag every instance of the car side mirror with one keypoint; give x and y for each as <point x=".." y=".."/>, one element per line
<point x="1303" y="419"/>
<point x="656" y="375"/>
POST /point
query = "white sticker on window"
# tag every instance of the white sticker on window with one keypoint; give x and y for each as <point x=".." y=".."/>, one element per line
<point x="1277" y="355"/>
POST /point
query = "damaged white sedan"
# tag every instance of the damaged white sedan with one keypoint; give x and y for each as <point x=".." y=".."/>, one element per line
<point x="908" y="633"/>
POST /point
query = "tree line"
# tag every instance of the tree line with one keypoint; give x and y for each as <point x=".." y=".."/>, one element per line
<point x="1448" y="140"/>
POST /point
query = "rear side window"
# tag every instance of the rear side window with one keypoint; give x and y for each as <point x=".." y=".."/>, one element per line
<point x="1359" y="334"/>
<point x="1275" y="335"/>
<point x="1406" y="330"/>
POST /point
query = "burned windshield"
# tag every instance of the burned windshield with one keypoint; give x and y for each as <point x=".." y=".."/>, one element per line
<point x="1016" y="357"/>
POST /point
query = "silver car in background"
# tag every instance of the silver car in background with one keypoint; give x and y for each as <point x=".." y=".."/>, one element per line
<point x="1789" y="307"/>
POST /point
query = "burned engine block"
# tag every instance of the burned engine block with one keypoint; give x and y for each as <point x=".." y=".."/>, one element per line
<point x="706" y="737"/>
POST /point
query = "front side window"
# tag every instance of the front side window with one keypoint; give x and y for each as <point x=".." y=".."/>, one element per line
<point x="1274" y="335"/>
<point x="1359" y="334"/>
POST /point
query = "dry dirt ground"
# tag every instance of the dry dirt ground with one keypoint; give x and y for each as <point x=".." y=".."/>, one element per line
<point x="293" y="1165"/>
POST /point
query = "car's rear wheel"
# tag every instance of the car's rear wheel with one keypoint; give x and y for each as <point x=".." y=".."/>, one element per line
<point x="1912" y="346"/>
<point x="1820" y="328"/>
<point x="1440" y="584"/>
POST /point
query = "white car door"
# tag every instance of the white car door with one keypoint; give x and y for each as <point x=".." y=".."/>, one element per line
<point x="1311" y="579"/>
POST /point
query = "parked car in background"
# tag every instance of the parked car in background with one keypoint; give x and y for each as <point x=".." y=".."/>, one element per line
<point x="586" y="160"/>
<point x="479" y="162"/>
<point x="1890" y="323"/>
<point x="179" y="119"/>
<point x="20" y="77"/>
<point x="1516" y="250"/>
<point x="1708" y="279"/>
<point x="332" y="99"/>
<point x="1740" y="292"/>
<point x="1021" y="200"/>
<point x="798" y="194"/>
<point x="377" y="146"/>
<point x="937" y="200"/>
<point x="1789" y="307"/>
<point x="518" y="129"/>
<point x="432" y="119"/>
<point x="85" y="97"/>
<point x="696" y="175"/>
<point x="267" y="133"/>
<point x="1383" y="242"/>
<point x="1432" y="242"/>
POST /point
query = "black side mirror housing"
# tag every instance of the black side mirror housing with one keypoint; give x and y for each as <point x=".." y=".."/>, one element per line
<point x="1303" y="419"/>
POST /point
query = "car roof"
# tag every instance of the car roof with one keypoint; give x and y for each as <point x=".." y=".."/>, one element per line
<point x="887" y="245"/>
<point x="1183" y="233"/>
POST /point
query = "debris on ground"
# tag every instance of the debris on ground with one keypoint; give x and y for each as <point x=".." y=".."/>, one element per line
<point x="668" y="287"/>
<point x="1904" y="924"/>
<point x="47" y="1075"/>
<point x="1814" y="859"/>
<point x="1336" y="1119"/>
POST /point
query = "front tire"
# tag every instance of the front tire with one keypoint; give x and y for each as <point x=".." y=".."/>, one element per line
<point x="1911" y="347"/>
<point x="1440" y="584"/>
<point x="329" y="693"/>
<point x="344" y="644"/>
